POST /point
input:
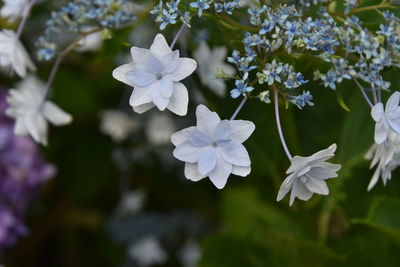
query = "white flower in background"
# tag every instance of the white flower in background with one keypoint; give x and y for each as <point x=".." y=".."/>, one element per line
<point x="13" y="9"/>
<point x="131" y="203"/>
<point x="91" y="42"/>
<point x="118" y="125"/>
<point x="155" y="74"/>
<point x="386" y="118"/>
<point x="148" y="252"/>
<point x="159" y="129"/>
<point x="209" y="63"/>
<point x="13" y="54"/>
<point x="190" y="254"/>
<point x="308" y="175"/>
<point x="32" y="111"/>
<point x="386" y="158"/>
<point x="213" y="147"/>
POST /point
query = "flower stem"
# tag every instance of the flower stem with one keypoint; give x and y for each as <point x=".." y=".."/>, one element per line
<point x="383" y="4"/>
<point x="25" y="16"/>
<point x="239" y="107"/>
<point x="177" y="36"/>
<point x="363" y="92"/>
<point x="278" y="124"/>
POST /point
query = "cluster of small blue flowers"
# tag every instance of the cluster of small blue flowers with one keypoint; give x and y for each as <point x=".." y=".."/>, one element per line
<point x="171" y="11"/>
<point x="74" y="19"/>
<point x="22" y="173"/>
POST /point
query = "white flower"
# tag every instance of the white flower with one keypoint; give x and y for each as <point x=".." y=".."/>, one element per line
<point x="32" y="111"/>
<point x="13" y="54"/>
<point x="118" y="125"/>
<point x="155" y="74"/>
<point x="148" y="252"/>
<point x="131" y="203"/>
<point x="159" y="129"/>
<point x="213" y="148"/>
<point x="209" y="62"/>
<point x="386" y="118"/>
<point x="190" y="254"/>
<point x="91" y="42"/>
<point x="13" y="9"/>
<point x="386" y="158"/>
<point x="308" y="175"/>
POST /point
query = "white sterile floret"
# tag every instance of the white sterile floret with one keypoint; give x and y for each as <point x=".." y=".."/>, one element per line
<point x="155" y="74"/>
<point x="13" y="54"/>
<point x="118" y="125"/>
<point x="213" y="147"/>
<point x="13" y="9"/>
<point x="28" y="105"/>
<point x="210" y="62"/>
<point x="386" y="158"/>
<point x="386" y="118"/>
<point x="308" y="175"/>
<point x="148" y="252"/>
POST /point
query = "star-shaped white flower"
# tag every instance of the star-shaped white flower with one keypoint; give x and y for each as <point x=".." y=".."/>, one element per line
<point x="32" y="111"/>
<point x="213" y="147"/>
<point x="211" y="61"/>
<point x="13" y="54"/>
<point x="13" y="9"/>
<point x="386" y="118"/>
<point x="308" y="175"/>
<point x="386" y="158"/>
<point x="155" y="74"/>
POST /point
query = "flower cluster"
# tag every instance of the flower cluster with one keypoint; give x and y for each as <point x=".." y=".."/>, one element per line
<point x="173" y="10"/>
<point x="22" y="173"/>
<point x="73" y="19"/>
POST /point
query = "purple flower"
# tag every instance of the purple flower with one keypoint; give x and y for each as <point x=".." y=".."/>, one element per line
<point x="22" y="172"/>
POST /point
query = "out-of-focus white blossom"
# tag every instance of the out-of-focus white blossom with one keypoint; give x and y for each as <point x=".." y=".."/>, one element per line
<point x="155" y="74"/>
<point x="387" y="117"/>
<point x="147" y="252"/>
<point x="213" y="147"/>
<point x="28" y="105"/>
<point x="131" y="203"/>
<point x="159" y="129"/>
<point x="118" y="125"/>
<point x="386" y="158"/>
<point x="308" y="175"/>
<point x="209" y="63"/>
<point x="13" y="9"/>
<point x="13" y="54"/>
<point x="91" y="42"/>
<point x="190" y="254"/>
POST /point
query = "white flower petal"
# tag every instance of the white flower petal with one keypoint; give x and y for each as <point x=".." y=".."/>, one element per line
<point x="241" y="171"/>
<point x="375" y="179"/>
<point x="55" y="115"/>
<point x="317" y="186"/>
<point x="223" y="131"/>
<point x="285" y="187"/>
<point x="37" y="127"/>
<point x="323" y="172"/>
<point x="178" y="103"/>
<point x="192" y="173"/>
<point x="393" y="101"/>
<point x="241" y="130"/>
<point x="141" y="95"/>
<point x="140" y="77"/>
<point x="140" y="56"/>
<point x="377" y="112"/>
<point x="187" y="153"/>
<point x="381" y="132"/>
<point x="182" y="136"/>
<point x="160" y="47"/>
<point x="166" y="88"/>
<point x="170" y="62"/>
<point x="158" y="99"/>
<point x="185" y="67"/>
<point x="20" y="128"/>
<point x="143" y="108"/>
<point x="206" y="120"/>
<point x="300" y="191"/>
<point x="199" y="139"/>
<point x="207" y="160"/>
<point x="219" y="176"/>
<point x="120" y="73"/>
<point x="234" y="153"/>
